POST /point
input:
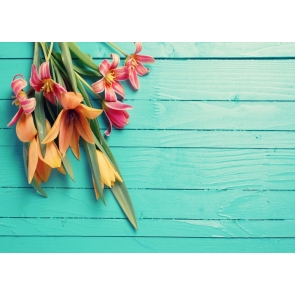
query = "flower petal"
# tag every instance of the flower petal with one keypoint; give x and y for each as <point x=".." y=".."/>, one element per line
<point x="18" y="85"/>
<point x="44" y="71"/>
<point x="99" y="86"/>
<point x="43" y="170"/>
<point x="110" y="94"/>
<point x="118" y="88"/>
<point x="138" y="47"/>
<point x="32" y="159"/>
<point x="70" y="100"/>
<point x="58" y="90"/>
<point x="74" y="144"/>
<point x="83" y="127"/>
<point x="133" y="79"/>
<point x="104" y="67"/>
<point x="117" y="105"/>
<point x="65" y="133"/>
<point x="52" y="134"/>
<point x="28" y="105"/>
<point x="25" y="128"/>
<point x="35" y="81"/>
<point x="141" y="70"/>
<point x="115" y="62"/>
<point x="144" y="58"/>
<point x="90" y="113"/>
<point x="15" y="118"/>
<point x="49" y="96"/>
<point x="121" y="73"/>
<point x="52" y="155"/>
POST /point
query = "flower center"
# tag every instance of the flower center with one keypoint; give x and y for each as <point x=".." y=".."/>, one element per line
<point x="21" y="96"/>
<point x="110" y="77"/>
<point x="70" y="117"/>
<point x="47" y="85"/>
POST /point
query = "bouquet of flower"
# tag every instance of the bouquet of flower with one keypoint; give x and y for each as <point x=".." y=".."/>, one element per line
<point x="56" y="114"/>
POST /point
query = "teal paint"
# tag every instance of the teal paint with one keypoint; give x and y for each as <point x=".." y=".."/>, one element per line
<point x="208" y="157"/>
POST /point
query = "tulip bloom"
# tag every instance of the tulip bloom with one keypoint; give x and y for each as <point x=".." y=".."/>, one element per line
<point x="133" y="63"/>
<point x="108" y="174"/>
<point x="71" y="123"/>
<point x="25" y="128"/>
<point x="39" y="166"/>
<point x="116" y="114"/>
<point x="44" y="82"/>
<point x="111" y="75"/>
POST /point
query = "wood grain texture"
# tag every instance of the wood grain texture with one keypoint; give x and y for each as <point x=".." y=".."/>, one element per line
<point x="171" y="50"/>
<point x="208" y="158"/>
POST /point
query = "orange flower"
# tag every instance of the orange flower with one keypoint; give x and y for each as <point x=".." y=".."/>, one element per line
<point x="71" y="123"/>
<point x="40" y="167"/>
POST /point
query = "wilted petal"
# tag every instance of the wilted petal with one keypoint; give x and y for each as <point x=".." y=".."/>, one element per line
<point x="90" y="113"/>
<point x="32" y="159"/>
<point x="116" y="60"/>
<point x="28" y="105"/>
<point x="121" y="73"/>
<point x="44" y="71"/>
<point x="15" y="118"/>
<point x="138" y="46"/>
<point x="99" y="86"/>
<point x="35" y="81"/>
<point x="104" y="67"/>
<point x="144" y="58"/>
<point x="110" y="94"/>
<point x="25" y="128"/>
<point x="18" y="85"/>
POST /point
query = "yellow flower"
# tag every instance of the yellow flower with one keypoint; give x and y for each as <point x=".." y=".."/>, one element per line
<point x="108" y="174"/>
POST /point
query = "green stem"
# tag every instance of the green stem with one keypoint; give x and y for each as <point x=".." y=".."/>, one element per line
<point x="50" y="50"/>
<point x="88" y="86"/>
<point x="119" y="49"/>
<point x="44" y="50"/>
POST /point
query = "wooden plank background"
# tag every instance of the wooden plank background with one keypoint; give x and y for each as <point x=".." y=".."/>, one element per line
<point x="208" y="158"/>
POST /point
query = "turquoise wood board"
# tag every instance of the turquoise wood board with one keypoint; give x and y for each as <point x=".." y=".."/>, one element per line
<point x="208" y="157"/>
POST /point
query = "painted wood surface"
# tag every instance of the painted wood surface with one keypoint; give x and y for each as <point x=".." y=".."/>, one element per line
<point x="208" y="158"/>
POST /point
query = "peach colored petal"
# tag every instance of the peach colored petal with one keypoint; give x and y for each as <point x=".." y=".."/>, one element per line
<point x="66" y="131"/>
<point x="32" y="159"/>
<point x="37" y="178"/>
<point x="43" y="170"/>
<point x="25" y="128"/>
<point x="90" y="113"/>
<point x="74" y="144"/>
<point x="61" y="170"/>
<point x="70" y="100"/>
<point x="52" y="134"/>
<point x="83" y="127"/>
<point x="52" y="155"/>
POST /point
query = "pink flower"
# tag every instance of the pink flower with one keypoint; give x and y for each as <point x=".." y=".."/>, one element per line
<point x="116" y="114"/>
<point x="111" y="75"/>
<point x="25" y="104"/>
<point x="45" y="83"/>
<point x="133" y="63"/>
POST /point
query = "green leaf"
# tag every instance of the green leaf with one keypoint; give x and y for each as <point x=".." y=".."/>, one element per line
<point x="120" y="192"/>
<point x="39" y="115"/>
<point x="36" y="59"/>
<point x="93" y="163"/>
<point x="85" y="58"/>
<point x="67" y="61"/>
<point x="68" y="167"/>
<point x="86" y="72"/>
<point x="34" y="183"/>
